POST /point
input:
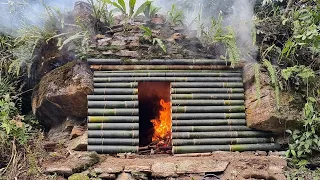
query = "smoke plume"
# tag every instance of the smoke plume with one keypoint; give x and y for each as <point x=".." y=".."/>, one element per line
<point x="17" y="13"/>
<point x="238" y="14"/>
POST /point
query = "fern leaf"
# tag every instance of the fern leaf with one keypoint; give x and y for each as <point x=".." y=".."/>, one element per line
<point x="274" y="80"/>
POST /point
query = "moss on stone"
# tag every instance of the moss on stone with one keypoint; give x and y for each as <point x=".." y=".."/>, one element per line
<point x="79" y="176"/>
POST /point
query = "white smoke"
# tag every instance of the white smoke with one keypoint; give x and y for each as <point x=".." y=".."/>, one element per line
<point x="238" y="14"/>
<point x="241" y="19"/>
<point x="17" y="13"/>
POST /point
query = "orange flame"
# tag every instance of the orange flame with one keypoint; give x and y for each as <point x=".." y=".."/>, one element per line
<point x="162" y="125"/>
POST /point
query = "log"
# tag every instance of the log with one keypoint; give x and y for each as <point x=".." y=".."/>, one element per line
<point x="208" y="122"/>
<point x="194" y="102"/>
<point x="112" y="97"/>
<point x="121" y="142"/>
<point x="113" y="112"/>
<point x="158" y="62"/>
<point x="206" y="90"/>
<point x="113" y="126"/>
<point x="113" y="104"/>
<point x="112" y="149"/>
<point x="195" y="116"/>
<point x="209" y="128"/>
<point x="116" y="85"/>
<point x="221" y="134"/>
<point x="167" y="74"/>
<point x="207" y="109"/>
<point x="174" y="85"/>
<point x="162" y="67"/>
<point x="113" y="134"/>
<point x="236" y="96"/>
<point x="112" y="91"/>
<point x="113" y="119"/>
<point x="171" y="79"/>
<point x="220" y="141"/>
<point x="211" y="148"/>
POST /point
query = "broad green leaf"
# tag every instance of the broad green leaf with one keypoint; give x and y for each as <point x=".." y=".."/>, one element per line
<point x="132" y="4"/>
<point x="142" y="8"/>
<point x="123" y="5"/>
<point x="160" y="43"/>
<point x="119" y="7"/>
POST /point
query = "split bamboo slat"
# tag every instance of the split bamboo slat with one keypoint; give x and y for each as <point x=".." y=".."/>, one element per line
<point x="207" y="97"/>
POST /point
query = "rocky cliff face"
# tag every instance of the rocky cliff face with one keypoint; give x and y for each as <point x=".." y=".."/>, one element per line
<point x="263" y="114"/>
<point x="62" y="95"/>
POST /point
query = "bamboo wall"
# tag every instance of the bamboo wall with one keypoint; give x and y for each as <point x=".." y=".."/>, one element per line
<point x="208" y="112"/>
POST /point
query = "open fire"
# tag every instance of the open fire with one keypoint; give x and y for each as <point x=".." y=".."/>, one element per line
<point x="162" y="125"/>
<point x="155" y="125"/>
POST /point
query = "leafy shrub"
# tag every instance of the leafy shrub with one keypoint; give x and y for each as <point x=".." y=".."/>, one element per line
<point x="148" y="36"/>
<point x="216" y="33"/>
<point x="133" y="11"/>
<point x="305" y="141"/>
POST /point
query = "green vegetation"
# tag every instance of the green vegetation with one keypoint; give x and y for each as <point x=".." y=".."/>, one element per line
<point x="175" y="15"/>
<point x="148" y="36"/>
<point x="133" y="11"/>
<point x="287" y="34"/>
<point x="226" y="36"/>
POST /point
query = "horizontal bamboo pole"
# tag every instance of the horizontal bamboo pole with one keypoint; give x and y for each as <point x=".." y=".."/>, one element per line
<point x="113" y="149"/>
<point x="119" y="91"/>
<point x="113" y="112"/>
<point x="116" y="85"/>
<point x="134" y="91"/>
<point x="162" y="67"/>
<point x="134" y="104"/>
<point x="207" y="109"/>
<point x="174" y="71"/>
<point x="113" y="104"/>
<point x="209" y="128"/>
<point x="175" y="85"/>
<point x="193" y="102"/>
<point x="195" y="116"/>
<point x="113" y="126"/>
<point x="112" y="97"/>
<point x="113" y="119"/>
<point x="206" y="90"/>
<point x="166" y="74"/>
<point x="113" y="134"/>
<point x="207" y="85"/>
<point x="235" y="96"/>
<point x="218" y="141"/>
<point x="208" y="122"/>
<point x="121" y="142"/>
<point x="221" y="134"/>
<point x="171" y="79"/>
<point x="158" y="62"/>
<point x="238" y="147"/>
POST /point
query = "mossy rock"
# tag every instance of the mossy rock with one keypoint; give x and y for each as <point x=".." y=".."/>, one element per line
<point x="79" y="176"/>
<point x="62" y="93"/>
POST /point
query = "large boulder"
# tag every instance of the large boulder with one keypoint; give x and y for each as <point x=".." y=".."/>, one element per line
<point x="62" y="94"/>
<point x="263" y="114"/>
